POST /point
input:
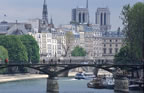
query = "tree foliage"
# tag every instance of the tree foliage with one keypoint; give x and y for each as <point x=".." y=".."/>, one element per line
<point x="78" y="51"/>
<point x="31" y="47"/>
<point x="125" y="57"/>
<point x="133" y="21"/>
<point x="67" y="43"/>
<point x="16" y="50"/>
<point x="3" y="54"/>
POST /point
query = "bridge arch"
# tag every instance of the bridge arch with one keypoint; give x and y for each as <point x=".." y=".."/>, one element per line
<point x="77" y="66"/>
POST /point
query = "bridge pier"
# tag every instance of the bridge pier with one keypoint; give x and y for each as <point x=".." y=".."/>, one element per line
<point x="52" y="85"/>
<point x="121" y="82"/>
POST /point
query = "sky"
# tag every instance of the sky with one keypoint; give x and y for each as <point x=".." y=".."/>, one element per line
<point x="60" y="10"/>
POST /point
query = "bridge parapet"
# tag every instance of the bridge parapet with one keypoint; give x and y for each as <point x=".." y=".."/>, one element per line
<point x="76" y="61"/>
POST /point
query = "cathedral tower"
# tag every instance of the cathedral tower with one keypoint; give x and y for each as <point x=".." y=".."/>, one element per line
<point x="103" y="19"/>
<point x="80" y="15"/>
<point x="45" y="13"/>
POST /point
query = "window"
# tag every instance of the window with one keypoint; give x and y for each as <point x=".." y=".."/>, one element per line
<point x="104" y="45"/>
<point x="110" y="40"/>
<point x="116" y="50"/>
<point x="49" y="40"/>
<point x="116" y="45"/>
<point x="110" y="50"/>
<point x="104" y="50"/>
<point x="49" y="46"/>
<point x="110" y="45"/>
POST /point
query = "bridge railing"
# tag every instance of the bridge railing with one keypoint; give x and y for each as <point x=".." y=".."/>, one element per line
<point x="68" y="61"/>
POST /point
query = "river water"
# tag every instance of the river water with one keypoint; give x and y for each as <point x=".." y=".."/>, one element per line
<point x="66" y="85"/>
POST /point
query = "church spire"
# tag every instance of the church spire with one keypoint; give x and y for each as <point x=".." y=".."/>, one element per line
<point x="45" y="13"/>
<point x="51" y="22"/>
<point x="87" y="3"/>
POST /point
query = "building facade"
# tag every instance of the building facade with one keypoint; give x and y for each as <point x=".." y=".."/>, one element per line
<point x="112" y="43"/>
<point x="14" y="28"/>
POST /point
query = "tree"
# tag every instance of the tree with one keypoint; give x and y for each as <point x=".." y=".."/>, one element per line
<point x="3" y="54"/>
<point x="31" y="47"/>
<point x="125" y="57"/>
<point x="78" y="51"/>
<point x="133" y="21"/>
<point x="16" y="50"/>
<point x="67" y="43"/>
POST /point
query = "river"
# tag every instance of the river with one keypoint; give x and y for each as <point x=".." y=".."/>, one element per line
<point x="66" y="85"/>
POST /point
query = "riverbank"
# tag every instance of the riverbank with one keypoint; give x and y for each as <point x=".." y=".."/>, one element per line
<point x="18" y="77"/>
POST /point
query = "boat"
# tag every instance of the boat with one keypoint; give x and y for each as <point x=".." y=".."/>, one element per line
<point x="95" y="83"/>
<point x="82" y="75"/>
<point x="108" y="82"/>
<point x="136" y="85"/>
<point x="101" y="83"/>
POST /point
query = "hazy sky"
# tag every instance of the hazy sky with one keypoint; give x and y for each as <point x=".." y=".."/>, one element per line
<point x="60" y="10"/>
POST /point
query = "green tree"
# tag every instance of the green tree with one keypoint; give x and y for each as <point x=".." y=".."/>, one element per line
<point x="125" y="57"/>
<point x="78" y="51"/>
<point x="16" y="50"/>
<point x="67" y="43"/>
<point x="31" y="47"/>
<point x="133" y="21"/>
<point x="3" y="54"/>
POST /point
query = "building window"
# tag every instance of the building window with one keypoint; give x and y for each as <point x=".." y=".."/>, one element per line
<point x="49" y="40"/>
<point x="116" y="40"/>
<point x="116" y="45"/>
<point x="110" y="40"/>
<point x="110" y="45"/>
<point x="110" y="50"/>
<point x="116" y="50"/>
<point x="104" y="50"/>
<point x="104" y="45"/>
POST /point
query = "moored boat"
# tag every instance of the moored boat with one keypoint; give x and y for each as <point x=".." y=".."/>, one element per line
<point x="99" y="83"/>
<point x="95" y="83"/>
<point x="82" y="75"/>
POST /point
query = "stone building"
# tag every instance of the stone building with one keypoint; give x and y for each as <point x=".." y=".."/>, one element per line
<point x="14" y="28"/>
<point x="112" y="43"/>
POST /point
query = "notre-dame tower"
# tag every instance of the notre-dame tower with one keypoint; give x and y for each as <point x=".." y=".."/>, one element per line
<point x="80" y="15"/>
<point x="103" y="19"/>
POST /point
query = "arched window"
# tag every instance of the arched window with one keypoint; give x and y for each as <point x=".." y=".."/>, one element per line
<point x="101" y="19"/>
<point x="83" y="17"/>
<point x="104" y="18"/>
<point x="79" y="17"/>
